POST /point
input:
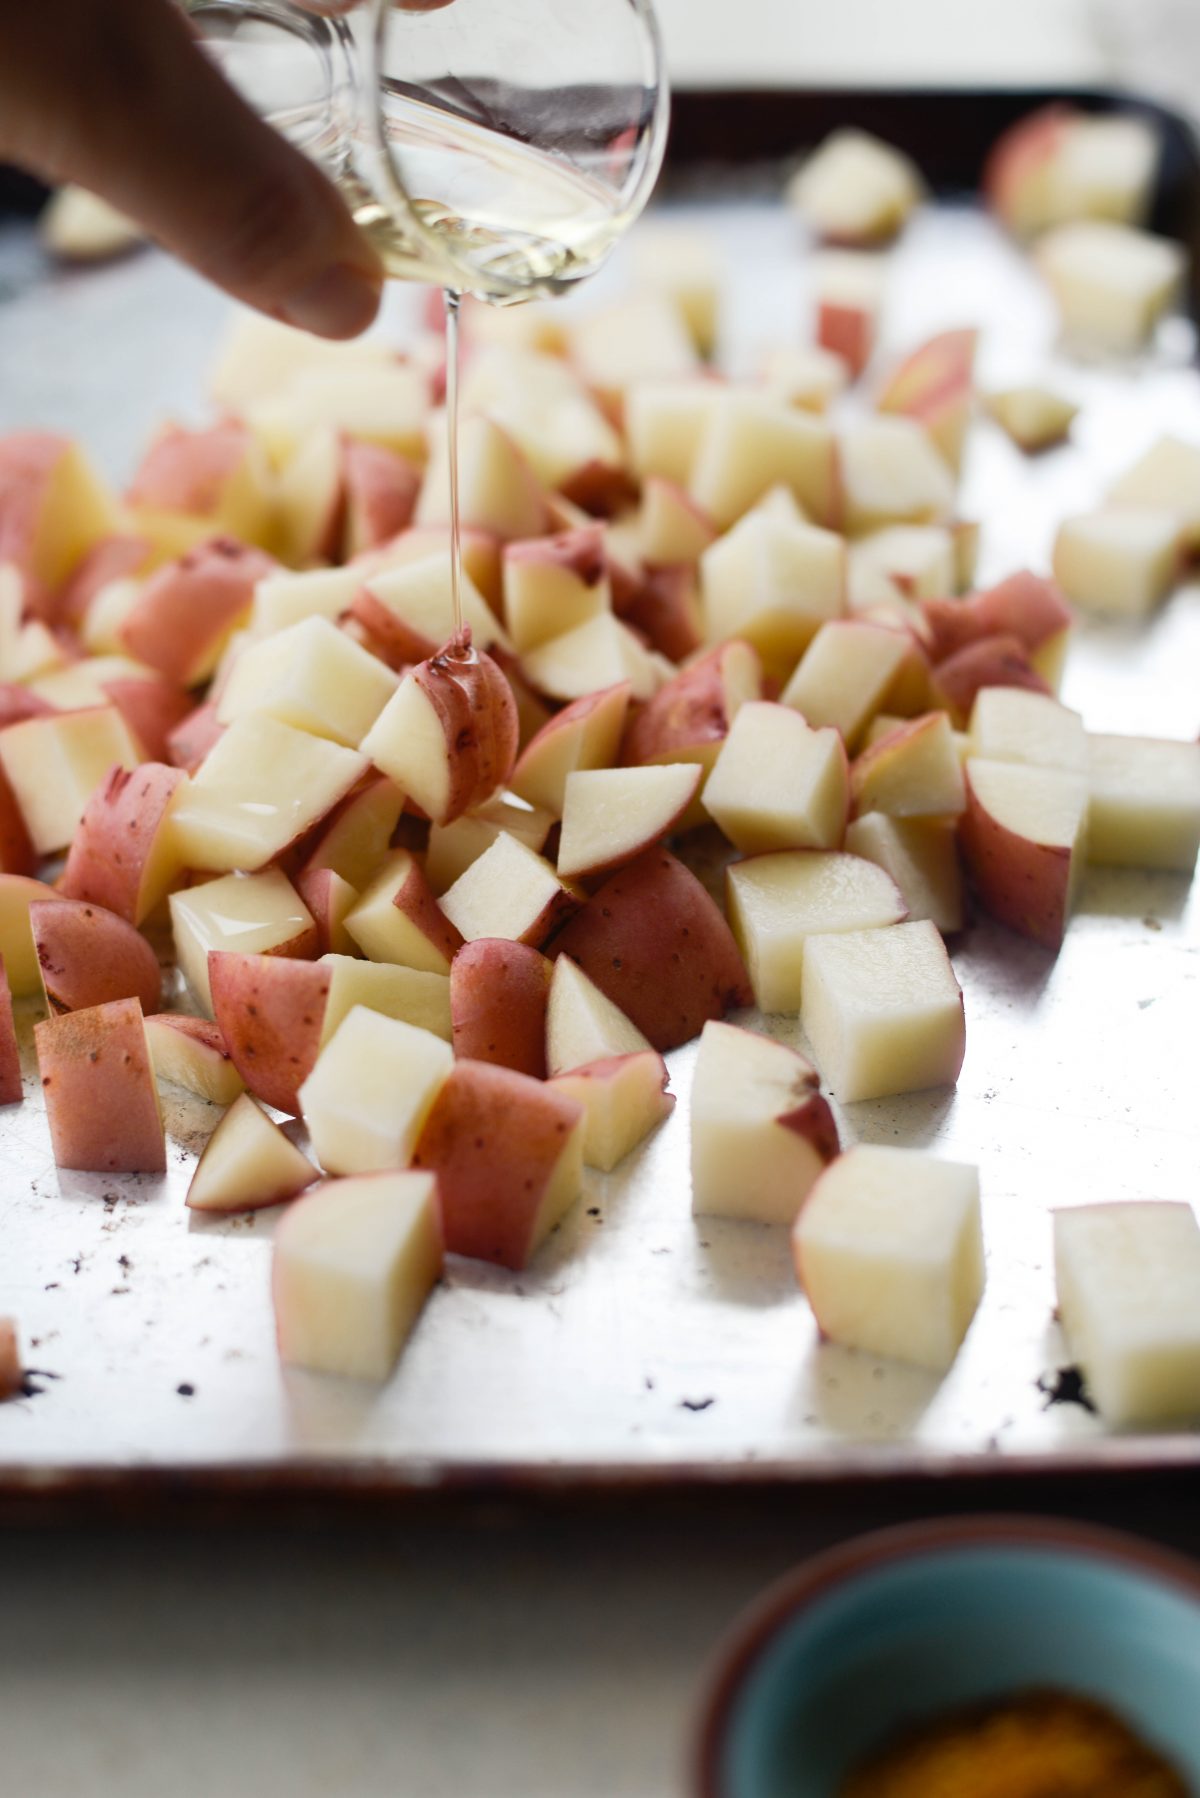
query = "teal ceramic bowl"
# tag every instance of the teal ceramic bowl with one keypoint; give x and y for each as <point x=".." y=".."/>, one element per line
<point x="899" y="1627"/>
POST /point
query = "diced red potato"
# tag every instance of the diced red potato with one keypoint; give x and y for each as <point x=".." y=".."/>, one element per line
<point x="153" y="709"/>
<point x="270" y="1010"/>
<point x="17" y="854"/>
<point x="499" y="991"/>
<point x="665" y="609"/>
<point x="988" y="662"/>
<point x="656" y="945"/>
<point x="12" y="1373"/>
<point x="114" y="558"/>
<point x="53" y="510"/>
<point x="17" y="894"/>
<point x="248" y="1164"/>
<point x="187" y="611"/>
<point x="192" y="1053"/>
<point x="12" y="1090"/>
<point x="18" y="703"/>
<point x="1027" y="606"/>
<point x="508" y="1155"/>
<point x="355" y="836"/>
<point x="123" y="856"/>
<point x="98" y="1085"/>
<point x="194" y="736"/>
<point x="330" y="899"/>
<point x="381" y="488"/>
<point x="89" y="956"/>
<point x="218" y="473"/>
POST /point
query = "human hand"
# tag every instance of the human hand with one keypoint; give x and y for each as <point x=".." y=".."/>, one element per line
<point x="122" y="99"/>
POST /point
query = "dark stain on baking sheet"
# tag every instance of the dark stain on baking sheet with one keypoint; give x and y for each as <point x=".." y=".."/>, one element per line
<point x="1065" y="1386"/>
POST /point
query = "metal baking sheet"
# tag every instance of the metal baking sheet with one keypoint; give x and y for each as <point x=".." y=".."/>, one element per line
<point x="643" y="1344"/>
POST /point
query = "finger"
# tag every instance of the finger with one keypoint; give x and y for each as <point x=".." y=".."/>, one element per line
<point x="336" y="9"/>
<point x="122" y="99"/>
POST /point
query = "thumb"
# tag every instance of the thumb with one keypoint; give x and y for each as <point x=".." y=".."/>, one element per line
<point x="123" y="99"/>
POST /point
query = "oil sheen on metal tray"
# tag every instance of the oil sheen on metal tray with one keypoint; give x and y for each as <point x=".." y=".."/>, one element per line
<point x="642" y="1343"/>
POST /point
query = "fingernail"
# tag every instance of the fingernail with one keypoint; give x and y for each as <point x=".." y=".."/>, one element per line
<point x="340" y="302"/>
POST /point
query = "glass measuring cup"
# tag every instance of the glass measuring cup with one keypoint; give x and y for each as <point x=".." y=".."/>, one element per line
<point x="493" y="147"/>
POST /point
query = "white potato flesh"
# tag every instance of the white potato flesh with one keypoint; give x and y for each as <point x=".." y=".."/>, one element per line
<point x="408" y="994"/>
<point x="258" y="789"/>
<point x="843" y="676"/>
<point x="1143" y="802"/>
<point x="921" y="855"/>
<point x="773" y="581"/>
<point x="1128" y="1279"/>
<point x="1011" y="725"/>
<point x="777" y="902"/>
<point x="752" y="1156"/>
<point x="248" y="1163"/>
<point x="598" y="654"/>
<point x="509" y="891"/>
<point x="313" y="677"/>
<point x="373" y="1087"/>
<point x="354" y="1264"/>
<point x="777" y="784"/>
<point x="1120" y="562"/>
<point x="892" y="474"/>
<point x="623" y="1101"/>
<point x="1166" y="479"/>
<point x="1112" y="282"/>
<point x="753" y="442"/>
<point x="582" y="1023"/>
<point x="246" y="914"/>
<point x="610" y="815"/>
<point x="883" y="1011"/>
<point x="889" y="1250"/>
<point x="55" y="762"/>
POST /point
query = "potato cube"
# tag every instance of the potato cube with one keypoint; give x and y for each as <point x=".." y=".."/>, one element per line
<point x="258" y="789"/>
<point x="248" y="1163"/>
<point x="1120" y="563"/>
<point x="510" y="892"/>
<point x="761" y="1132"/>
<point x="1167" y="479"/>
<point x="889" y="1249"/>
<point x="354" y="1263"/>
<point x="405" y="993"/>
<point x="776" y="903"/>
<point x="665" y="422"/>
<point x="257" y="914"/>
<point x="55" y="762"/>
<point x="1009" y="724"/>
<point x="883" y="1011"/>
<point x="892" y="474"/>
<point x="777" y="784"/>
<point x="367" y="1099"/>
<point x="773" y="582"/>
<point x="1128" y="1278"/>
<point x="313" y="677"/>
<point x="1143" y="802"/>
<point x="1112" y="282"/>
<point x="845" y="673"/>
<point x="753" y="442"/>
<point x="101" y="1101"/>
<point x="921" y="855"/>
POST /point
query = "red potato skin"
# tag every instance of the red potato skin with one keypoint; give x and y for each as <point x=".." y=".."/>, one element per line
<point x="17" y="854"/>
<point x="1027" y="606"/>
<point x="12" y="1089"/>
<point x="116" y="837"/>
<point x="689" y="712"/>
<point x="655" y="943"/>
<point x="577" y="713"/>
<point x="665" y="610"/>
<point x="12" y="1374"/>
<point x="848" y="331"/>
<point x="90" y="957"/>
<point x="580" y="552"/>
<point x="18" y="703"/>
<point x="191" y="604"/>
<point x="494" y="1139"/>
<point x="27" y="463"/>
<point x="416" y="899"/>
<point x="101" y="1099"/>
<point x="991" y="662"/>
<point x="1022" y="884"/>
<point x="933" y="376"/>
<point x="152" y="709"/>
<point x="381" y="489"/>
<point x="187" y="471"/>
<point x="315" y="887"/>
<point x="270" y="1010"/>
<point x="387" y="636"/>
<point x="498" y="997"/>
<point x="813" y="1120"/>
<point x="478" y="716"/>
<point x="113" y="559"/>
<point x="1019" y="151"/>
<point x="200" y="1030"/>
<point x="600" y="488"/>
<point x="194" y="736"/>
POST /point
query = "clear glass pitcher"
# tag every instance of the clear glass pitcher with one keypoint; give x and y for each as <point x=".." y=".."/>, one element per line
<point x="493" y="147"/>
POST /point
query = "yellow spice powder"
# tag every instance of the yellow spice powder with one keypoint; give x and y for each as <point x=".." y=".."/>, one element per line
<point x="1036" y="1745"/>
